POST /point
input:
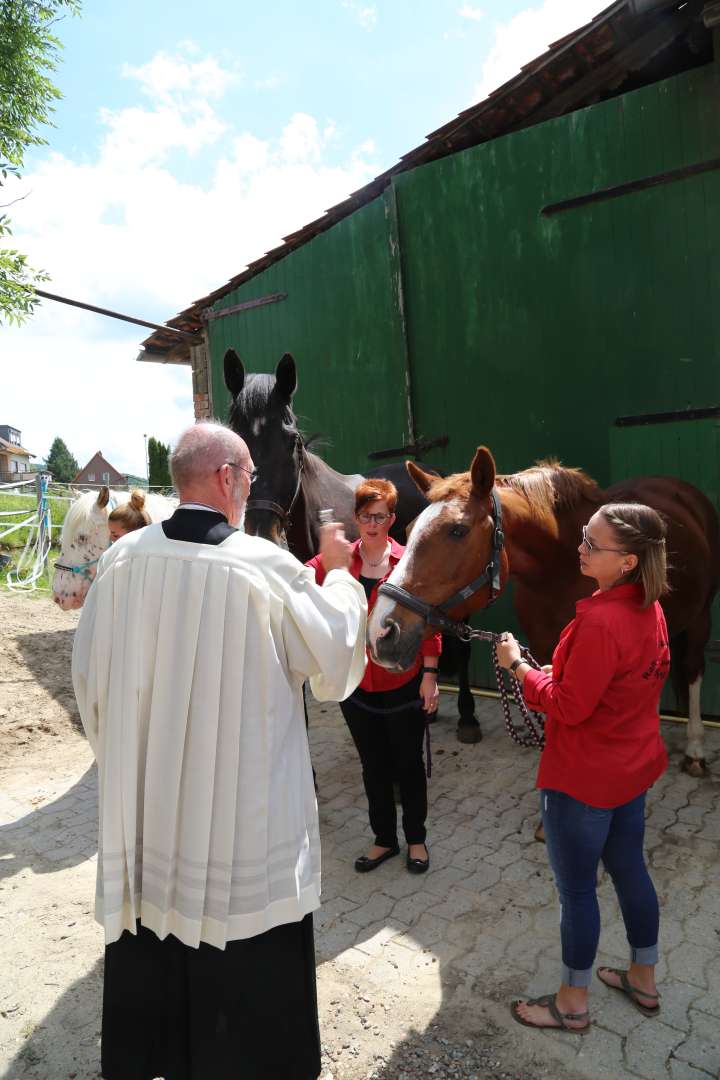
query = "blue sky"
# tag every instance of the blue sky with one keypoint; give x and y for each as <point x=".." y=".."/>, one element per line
<point x="190" y="138"/>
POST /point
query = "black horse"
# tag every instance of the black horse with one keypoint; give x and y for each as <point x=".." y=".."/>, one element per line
<point x="293" y="485"/>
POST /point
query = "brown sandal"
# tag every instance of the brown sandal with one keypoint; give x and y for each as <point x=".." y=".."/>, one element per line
<point x="630" y="991"/>
<point x="549" y="1002"/>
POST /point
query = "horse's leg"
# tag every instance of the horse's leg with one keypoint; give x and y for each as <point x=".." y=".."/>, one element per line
<point x="468" y="729"/>
<point x="693" y="668"/>
<point x="694" y="760"/>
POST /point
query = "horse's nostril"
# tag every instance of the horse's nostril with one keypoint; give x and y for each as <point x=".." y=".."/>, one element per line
<point x="391" y="631"/>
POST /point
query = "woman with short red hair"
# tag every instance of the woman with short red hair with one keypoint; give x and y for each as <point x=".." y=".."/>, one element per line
<point x="387" y="713"/>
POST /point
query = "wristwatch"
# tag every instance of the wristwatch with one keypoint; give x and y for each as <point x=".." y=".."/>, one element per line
<point x="516" y="664"/>
<point x="430" y="671"/>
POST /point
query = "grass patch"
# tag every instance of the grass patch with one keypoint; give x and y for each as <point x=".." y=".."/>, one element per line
<point x="25" y="507"/>
<point x="43" y="586"/>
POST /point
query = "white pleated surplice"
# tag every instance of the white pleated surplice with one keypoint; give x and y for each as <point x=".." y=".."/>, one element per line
<point x="188" y="667"/>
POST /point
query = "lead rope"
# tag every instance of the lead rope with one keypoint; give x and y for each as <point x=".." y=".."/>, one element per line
<point x="534" y="734"/>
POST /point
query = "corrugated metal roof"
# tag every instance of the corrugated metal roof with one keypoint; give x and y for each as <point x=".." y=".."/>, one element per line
<point x="631" y="43"/>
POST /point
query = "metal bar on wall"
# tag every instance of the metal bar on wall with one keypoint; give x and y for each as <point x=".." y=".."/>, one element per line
<point x="632" y="186"/>
<point x="668" y="417"/>
<point x="246" y="305"/>
<point x="396" y="278"/>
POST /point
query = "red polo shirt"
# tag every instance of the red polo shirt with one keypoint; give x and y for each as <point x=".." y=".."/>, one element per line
<point x="602" y="737"/>
<point x="377" y="678"/>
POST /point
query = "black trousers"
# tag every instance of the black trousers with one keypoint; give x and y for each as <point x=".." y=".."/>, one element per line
<point x="246" y="1012"/>
<point x="390" y="746"/>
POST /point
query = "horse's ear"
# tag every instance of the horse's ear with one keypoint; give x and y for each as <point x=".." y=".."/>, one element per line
<point x="234" y="372"/>
<point x="482" y="472"/>
<point x="103" y="497"/>
<point x="423" y="481"/>
<point x="286" y="378"/>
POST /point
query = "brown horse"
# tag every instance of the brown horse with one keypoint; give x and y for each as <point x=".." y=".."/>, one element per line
<point x="543" y="509"/>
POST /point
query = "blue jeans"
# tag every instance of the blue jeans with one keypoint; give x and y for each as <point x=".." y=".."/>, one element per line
<point x="578" y="836"/>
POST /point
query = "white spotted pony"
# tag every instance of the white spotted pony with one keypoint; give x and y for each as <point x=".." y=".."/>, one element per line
<point x="86" y="535"/>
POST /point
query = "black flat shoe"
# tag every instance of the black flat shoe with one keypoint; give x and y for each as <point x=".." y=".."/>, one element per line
<point x="364" y="865"/>
<point x="418" y="866"/>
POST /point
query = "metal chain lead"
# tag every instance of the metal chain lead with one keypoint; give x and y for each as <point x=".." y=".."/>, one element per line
<point x="534" y="734"/>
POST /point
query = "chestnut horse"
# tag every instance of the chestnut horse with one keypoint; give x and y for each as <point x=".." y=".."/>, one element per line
<point x="543" y="509"/>
<point x="293" y="484"/>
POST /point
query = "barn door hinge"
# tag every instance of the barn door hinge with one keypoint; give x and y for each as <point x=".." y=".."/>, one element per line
<point x="246" y="305"/>
<point x="413" y="450"/>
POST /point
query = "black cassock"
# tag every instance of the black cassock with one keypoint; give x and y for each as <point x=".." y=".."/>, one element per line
<point x="246" y="1012"/>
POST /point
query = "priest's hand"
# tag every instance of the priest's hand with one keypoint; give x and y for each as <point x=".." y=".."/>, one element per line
<point x="335" y="550"/>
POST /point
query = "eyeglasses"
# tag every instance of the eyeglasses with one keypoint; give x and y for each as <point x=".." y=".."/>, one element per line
<point x="590" y="548"/>
<point x="252" y="473"/>
<point x="365" y="519"/>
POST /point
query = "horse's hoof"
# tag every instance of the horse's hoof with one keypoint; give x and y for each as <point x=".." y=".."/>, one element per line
<point x="540" y="834"/>
<point x="469" y="733"/>
<point x="694" y="767"/>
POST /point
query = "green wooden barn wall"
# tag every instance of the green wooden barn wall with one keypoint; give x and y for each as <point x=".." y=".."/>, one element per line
<point x="342" y="324"/>
<point x="529" y="333"/>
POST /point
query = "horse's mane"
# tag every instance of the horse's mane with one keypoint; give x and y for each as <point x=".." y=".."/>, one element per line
<point x="550" y="487"/>
<point x="81" y="510"/>
<point x="252" y="401"/>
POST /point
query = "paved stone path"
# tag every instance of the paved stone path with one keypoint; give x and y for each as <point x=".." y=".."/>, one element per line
<point x="415" y="973"/>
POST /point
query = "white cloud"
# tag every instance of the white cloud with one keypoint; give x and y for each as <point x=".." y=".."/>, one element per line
<point x="88" y="389"/>
<point x="527" y="35"/>
<point x="271" y="82"/>
<point x="365" y="14"/>
<point x="301" y="140"/>
<point x="467" y="11"/>
<point x="165" y="76"/>
<point x="121" y="230"/>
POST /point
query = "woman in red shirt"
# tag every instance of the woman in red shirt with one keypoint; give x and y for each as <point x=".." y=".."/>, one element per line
<point x="387" y="713"/>
<point x="603" y="750"/>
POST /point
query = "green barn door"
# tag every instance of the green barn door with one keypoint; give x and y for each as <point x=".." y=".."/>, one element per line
<point x="341" y="318"/>
<point x="689" y="449"/>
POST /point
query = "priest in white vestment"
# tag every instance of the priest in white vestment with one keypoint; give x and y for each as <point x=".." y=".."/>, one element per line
<point x="188" y="667"/>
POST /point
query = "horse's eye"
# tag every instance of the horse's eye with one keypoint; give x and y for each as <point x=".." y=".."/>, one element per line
<point x="458" y="531"/>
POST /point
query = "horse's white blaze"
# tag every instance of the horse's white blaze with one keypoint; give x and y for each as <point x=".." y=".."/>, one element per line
<point x="695" y="732"/>
<point x="384" y="605"/>
<point x="257" y="425"/>
<point x="419" y="530"/>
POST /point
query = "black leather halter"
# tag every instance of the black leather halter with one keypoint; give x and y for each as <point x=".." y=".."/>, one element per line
<point x="436" y="614"/>
<point x="276" y="508"/>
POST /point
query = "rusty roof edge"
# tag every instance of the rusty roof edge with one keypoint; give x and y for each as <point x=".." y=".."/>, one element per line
<point x="192" y="316"/>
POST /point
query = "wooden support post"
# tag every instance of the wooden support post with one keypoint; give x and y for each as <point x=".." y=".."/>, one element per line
<point x="202" y="392"/>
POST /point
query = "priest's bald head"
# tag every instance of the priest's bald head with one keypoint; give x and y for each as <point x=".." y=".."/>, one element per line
<point x="211" y="465"/>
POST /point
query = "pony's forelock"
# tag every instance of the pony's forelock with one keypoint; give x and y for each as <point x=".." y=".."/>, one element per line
<point x="81" y="513"/>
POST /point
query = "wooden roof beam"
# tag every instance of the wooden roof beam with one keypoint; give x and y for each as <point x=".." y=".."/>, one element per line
<point x="629" y="59"/>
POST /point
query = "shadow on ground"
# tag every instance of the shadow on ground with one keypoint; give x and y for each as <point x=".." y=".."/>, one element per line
<point x="48" y="655"/>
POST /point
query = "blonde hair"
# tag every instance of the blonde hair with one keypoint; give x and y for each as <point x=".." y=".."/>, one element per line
<point x="641" y="531"/>
<point x="132" y="514"/>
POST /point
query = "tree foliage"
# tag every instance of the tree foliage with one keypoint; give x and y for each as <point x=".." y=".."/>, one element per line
<point x="61" y="463"/>
<point x="158" y="455"/>
<point x="29" y="53"/>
